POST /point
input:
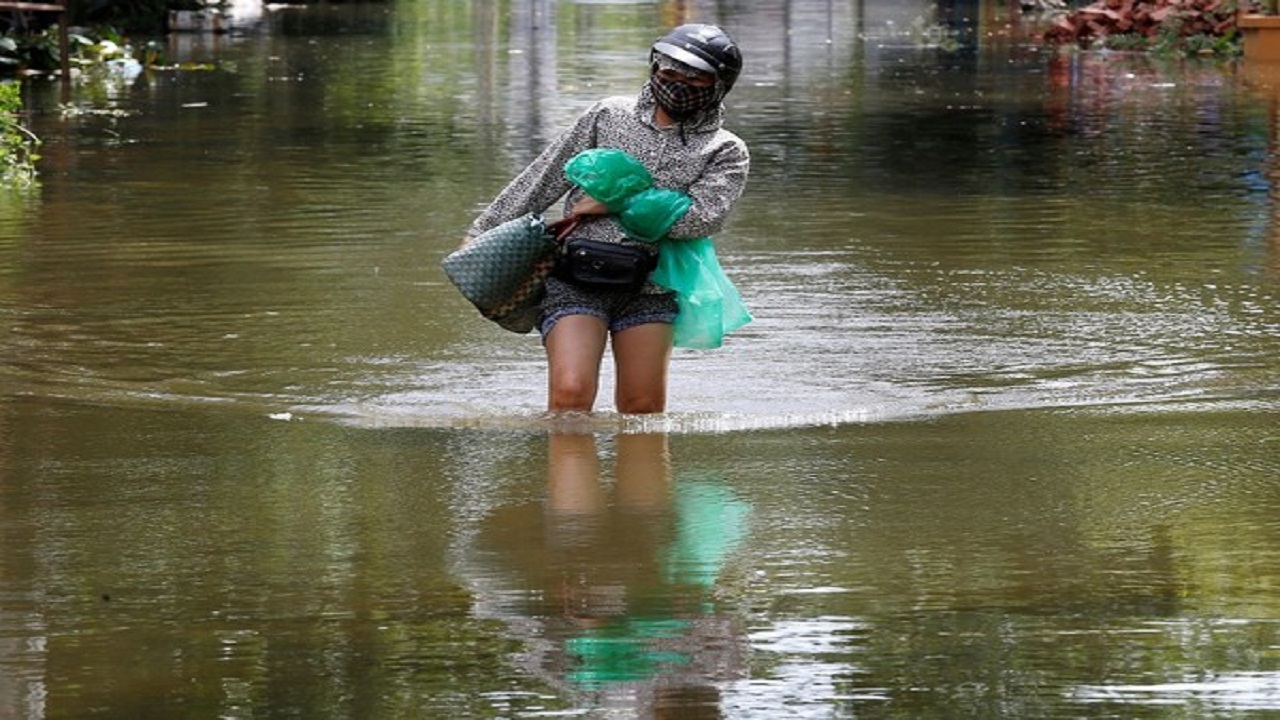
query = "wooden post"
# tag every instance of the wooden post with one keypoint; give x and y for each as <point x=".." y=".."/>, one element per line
<point x="1261" y="35"/>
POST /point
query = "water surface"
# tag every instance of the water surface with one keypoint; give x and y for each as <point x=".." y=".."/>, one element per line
<point x="1001" y="441"/>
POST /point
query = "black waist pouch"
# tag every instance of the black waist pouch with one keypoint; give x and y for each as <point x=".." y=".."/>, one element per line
<point x="600" y="265"/>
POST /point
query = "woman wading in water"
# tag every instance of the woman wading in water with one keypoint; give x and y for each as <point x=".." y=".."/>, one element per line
<point x="674" y="127"/>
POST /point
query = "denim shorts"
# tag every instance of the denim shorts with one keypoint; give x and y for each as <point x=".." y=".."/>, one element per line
<point x="618" y="310"/>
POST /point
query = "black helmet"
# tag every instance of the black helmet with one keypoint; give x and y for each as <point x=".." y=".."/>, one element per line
<point x="705" y="47"/>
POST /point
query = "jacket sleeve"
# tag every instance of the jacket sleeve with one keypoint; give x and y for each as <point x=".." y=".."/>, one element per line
<point x="543" y="181"/>
<point x="715" y="192"/>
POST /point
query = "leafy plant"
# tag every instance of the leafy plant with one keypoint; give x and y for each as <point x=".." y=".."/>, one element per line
<point x="18" y="145"/>
<point x="1167" y="27"/>
<point x="29" y="51"/>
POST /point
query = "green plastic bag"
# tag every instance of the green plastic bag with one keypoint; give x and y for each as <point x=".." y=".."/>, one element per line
<point x="710" y="306"/>
<point x="649" y="214"/>
<point x="625" y="186"/>
<point x="608" y="175"/>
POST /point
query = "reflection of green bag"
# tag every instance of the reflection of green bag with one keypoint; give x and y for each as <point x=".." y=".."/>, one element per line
<point x="503" y="271"/>
<point x="626" y="650"/>
<point x="710" y="522"/>
<point x="710" y="306"/>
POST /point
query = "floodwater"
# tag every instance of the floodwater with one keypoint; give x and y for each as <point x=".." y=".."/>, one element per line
<point x="1001" y="442"/>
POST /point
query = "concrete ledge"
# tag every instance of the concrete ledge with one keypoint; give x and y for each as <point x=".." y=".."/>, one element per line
<point x="32" y="7"/>
<point x="197" y="21"/>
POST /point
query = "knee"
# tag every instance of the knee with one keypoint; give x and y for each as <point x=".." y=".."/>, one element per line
<point x="572" y="396"/>
<point x="641" y="405"/>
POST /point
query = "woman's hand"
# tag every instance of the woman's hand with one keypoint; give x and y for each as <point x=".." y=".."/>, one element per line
<point x="589" y="206"/>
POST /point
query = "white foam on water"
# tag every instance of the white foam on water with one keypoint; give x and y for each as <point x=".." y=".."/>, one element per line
<point x="1227" y="691"/>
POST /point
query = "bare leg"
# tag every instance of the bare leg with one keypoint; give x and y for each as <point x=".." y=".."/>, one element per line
<point x="642" y="355"/>
<point x="575" y="347"/>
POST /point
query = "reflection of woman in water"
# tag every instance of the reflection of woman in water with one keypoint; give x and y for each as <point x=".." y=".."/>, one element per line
<point x="609" y="584"/>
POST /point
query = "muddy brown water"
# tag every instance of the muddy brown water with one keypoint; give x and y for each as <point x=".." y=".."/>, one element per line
<point x="1001" y="441"/>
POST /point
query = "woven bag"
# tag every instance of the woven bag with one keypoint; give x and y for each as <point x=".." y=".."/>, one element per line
<point x="503" y="271"/>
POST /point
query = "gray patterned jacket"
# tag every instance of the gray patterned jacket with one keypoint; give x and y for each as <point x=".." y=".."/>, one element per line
<point x="699" y="158"/>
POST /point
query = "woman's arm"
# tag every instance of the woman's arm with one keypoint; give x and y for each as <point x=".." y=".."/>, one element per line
<point x="715" y="192"/>
<point x="542" y="182"/>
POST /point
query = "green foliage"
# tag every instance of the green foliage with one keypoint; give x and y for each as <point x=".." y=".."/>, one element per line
<point x="1174" y="38"/>
<point x="17" y="144"/>
<point x="90" y="52"/>
<point x="1170" y="41"/>
<point x="29" y="51"/>
<point x="35" y="47"/>
<point x="1190" y="28"/>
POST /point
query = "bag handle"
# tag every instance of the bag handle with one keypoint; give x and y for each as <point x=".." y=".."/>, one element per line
<point x="563" y="227"/>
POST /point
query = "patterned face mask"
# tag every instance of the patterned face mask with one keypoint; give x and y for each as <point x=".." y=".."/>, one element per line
<point x="681" y="101"/>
